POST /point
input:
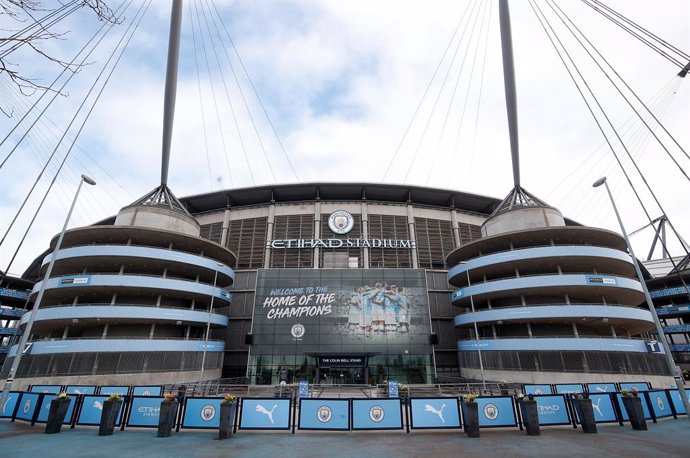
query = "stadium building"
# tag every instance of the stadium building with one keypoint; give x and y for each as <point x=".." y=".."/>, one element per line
<point x="339" y="283"/>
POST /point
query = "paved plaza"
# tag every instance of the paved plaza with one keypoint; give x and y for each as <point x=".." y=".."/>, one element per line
<point x="667" y="438"/>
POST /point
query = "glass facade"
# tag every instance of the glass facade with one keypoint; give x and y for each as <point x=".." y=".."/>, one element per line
<point x="307" y="322"/>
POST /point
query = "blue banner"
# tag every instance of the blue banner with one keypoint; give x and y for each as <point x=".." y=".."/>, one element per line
<point x="434" y="413"/>
<point x="326" y="414"/>
<point x="155" y="390"/>
<point x="393" y="389"/>
<point x="28" y="402"/>
<point x="552" y="410"/>
<point x="303" y="389"/>
<point x="265" y="413"/>
<point x="537" y="389"/>
<point x="641" y="386"/>
<point x="145" y="411"/>
<point x="45" y="409"/>
<point x="645" y="409"/>
<point x="660" y="403"/>
<point x="570" y="388"/>
<point x="92" y="409"/>
<point x="376" y="414"/>
<point x="601" y="387"/>
<point x="496" y="411"/>
<point x="602" y="407"/>
<point x="10" y="403"/>
<point x="678" y="401"/>
<point x="54" y="389"/>
<point x="80" y="389"/>
<point x="202" y="413"/>
<point x="108" y="390"/>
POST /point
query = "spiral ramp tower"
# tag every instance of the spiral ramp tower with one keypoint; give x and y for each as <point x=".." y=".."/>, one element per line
<point x="551" y="303"/>
<point x="129" y="303"/>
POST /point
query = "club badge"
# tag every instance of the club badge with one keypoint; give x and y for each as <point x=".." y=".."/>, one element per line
<point x="376" y="414"/>
<point x="491" y="411"/>
<point x="324" y="414"/>
<point x="208" y="412"/>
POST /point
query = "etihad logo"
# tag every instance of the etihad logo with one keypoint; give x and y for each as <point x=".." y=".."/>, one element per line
<point x="146" y="411"/>
<point x="548" y="409"/>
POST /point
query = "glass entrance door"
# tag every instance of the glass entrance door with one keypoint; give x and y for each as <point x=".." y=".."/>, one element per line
<point x="342" y="375"/>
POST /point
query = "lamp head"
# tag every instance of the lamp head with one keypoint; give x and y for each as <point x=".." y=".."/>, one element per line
<point x="599" y="182"/>
<point x="88" y="180"/>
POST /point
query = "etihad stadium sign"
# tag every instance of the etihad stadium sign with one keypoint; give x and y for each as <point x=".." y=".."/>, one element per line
<point x="340" y="243"/>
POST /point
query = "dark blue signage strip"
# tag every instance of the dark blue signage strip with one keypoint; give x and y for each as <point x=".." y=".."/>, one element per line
<point x="377" y="414"/>
<point x="324" y="414"/>
<point x="552" y="410"/>
<point x="144" y="411"/>
<point x="434" y="413"/>
<point x="495" y="411"/>
<point x="201" y="413"/>
<point x="265" y="414"/>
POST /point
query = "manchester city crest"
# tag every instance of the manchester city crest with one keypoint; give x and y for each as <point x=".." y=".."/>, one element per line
<point x="146" y="393"/>
<point x="27" y="406"/>
<point x="660" y="403"/>
<point x="297" y="331"/>
<point x="208" y="412"/>
<point x="341" y="222"/>
<point x="491" y="411"/>
<point x="538" y="391"/>
<point x="324" y="414"/>
<point x="376" y="413"/>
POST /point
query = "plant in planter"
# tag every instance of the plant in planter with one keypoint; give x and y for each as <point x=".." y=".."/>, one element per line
<point x="227" y="416"/>
<point x="528" y="411"/>
<point x="57" y="413"/>
<point x="470" y="411"/>
<point x="168" y="414"/>
<point x="585" y="413"/>
<point x="633" y="407"/>
<point x="111" y="409"/>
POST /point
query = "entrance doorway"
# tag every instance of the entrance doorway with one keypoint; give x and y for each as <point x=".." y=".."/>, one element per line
<point x="342" y="375"/>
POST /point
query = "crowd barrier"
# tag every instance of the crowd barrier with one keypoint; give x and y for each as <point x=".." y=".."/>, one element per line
<point x="337" y="414"/>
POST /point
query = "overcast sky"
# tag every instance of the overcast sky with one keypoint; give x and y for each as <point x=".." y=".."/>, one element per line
<point x="341" y="82"/>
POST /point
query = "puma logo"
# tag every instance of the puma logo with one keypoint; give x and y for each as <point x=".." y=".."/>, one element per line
<point x="268" y="413"/>
<point x="430" y="408"/>
<point x="597" y="406"/>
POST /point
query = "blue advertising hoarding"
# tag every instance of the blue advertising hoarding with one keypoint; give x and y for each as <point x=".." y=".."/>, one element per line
<point x="678" y="401"/>
<point x="10" y="404"/>
<point x="265" y="413"/>
<point x="377" y="414"/>
<point x="434" y="413"/>
<point x="570" y="388"/>
<point x="552" y="410"/>
<point x="601" y="387"/>
<point x="602" y="407"/>
<point x="303" y="389"/>
<point x="496" y="411"/>
<point x="45" y="409"/>
<point x="54" y="389"/>
<point x="201" y="413"/>
<point x="80" y="389"/>
<point x="641" y="386"/>
<point x="154" y="390"/>
<point x="537" y="389"/>
<point x="108" y="390"/>
<point x="145" y="411"/>
<point x="624" y="414"/>
<point x="324" y="414"/>
<point x="660" y="403"/>
<point x="92" y="408"/>
<point x="28" y="402"/>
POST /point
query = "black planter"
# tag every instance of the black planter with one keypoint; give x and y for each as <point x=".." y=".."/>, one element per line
<point x="109" y="417"/>
<point x="633" y="406"/>
<point x="471" y="412"/>
<point x="585" y="414"/>
<point x="227" y="419"/>
<point x="530" y="417"/>
<point x="166" y="420"/>
<point x="56" y="416"/>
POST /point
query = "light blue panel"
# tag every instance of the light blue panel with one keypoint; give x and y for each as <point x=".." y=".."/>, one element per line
<point x="265" y="413"/>
<point x="121" y="390"/>
<point x="376" y="414"/>
<point x="155" y="390"/>
<point x="538" y="389"/>
<point x="554" y="311"/>
<point x="660" y="403"/>
<point x="81" y="389"/>
<point x="496" y="411"/>
<point x="324" y="414"/>
<point x="641" y="386"/>
<point x="435" y="413"/>
<point x="552" y="410"/>
<point x="46" y="389"/>
<point x="118" y="345"/>
<point x="602" y="408"/>
<point x="145" y="411"/>
<point x="678" y="401"/>
<point x="92" y="409"/>
<point x="11" y="401"/>
<point x="45" y="409"/>
<point x="645" y="409"/>
<point x="27" y="406"/>
<point x="570" y="388"/>
<point x="564" y="344"/>
<point x="601" y="388"/>
<point x="202" y="413"/>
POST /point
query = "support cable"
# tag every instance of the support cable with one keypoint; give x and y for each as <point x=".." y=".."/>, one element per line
<point x="37" y="23"/>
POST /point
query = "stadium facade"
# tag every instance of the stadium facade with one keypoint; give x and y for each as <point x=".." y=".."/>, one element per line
<point x="339" y="283"/>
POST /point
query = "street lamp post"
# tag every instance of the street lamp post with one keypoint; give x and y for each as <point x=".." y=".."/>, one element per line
<point x="208" y="321"/>
<point x="476" y="330"/>
<point x="39" y="298"/>
<point x="660" y="331"/>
